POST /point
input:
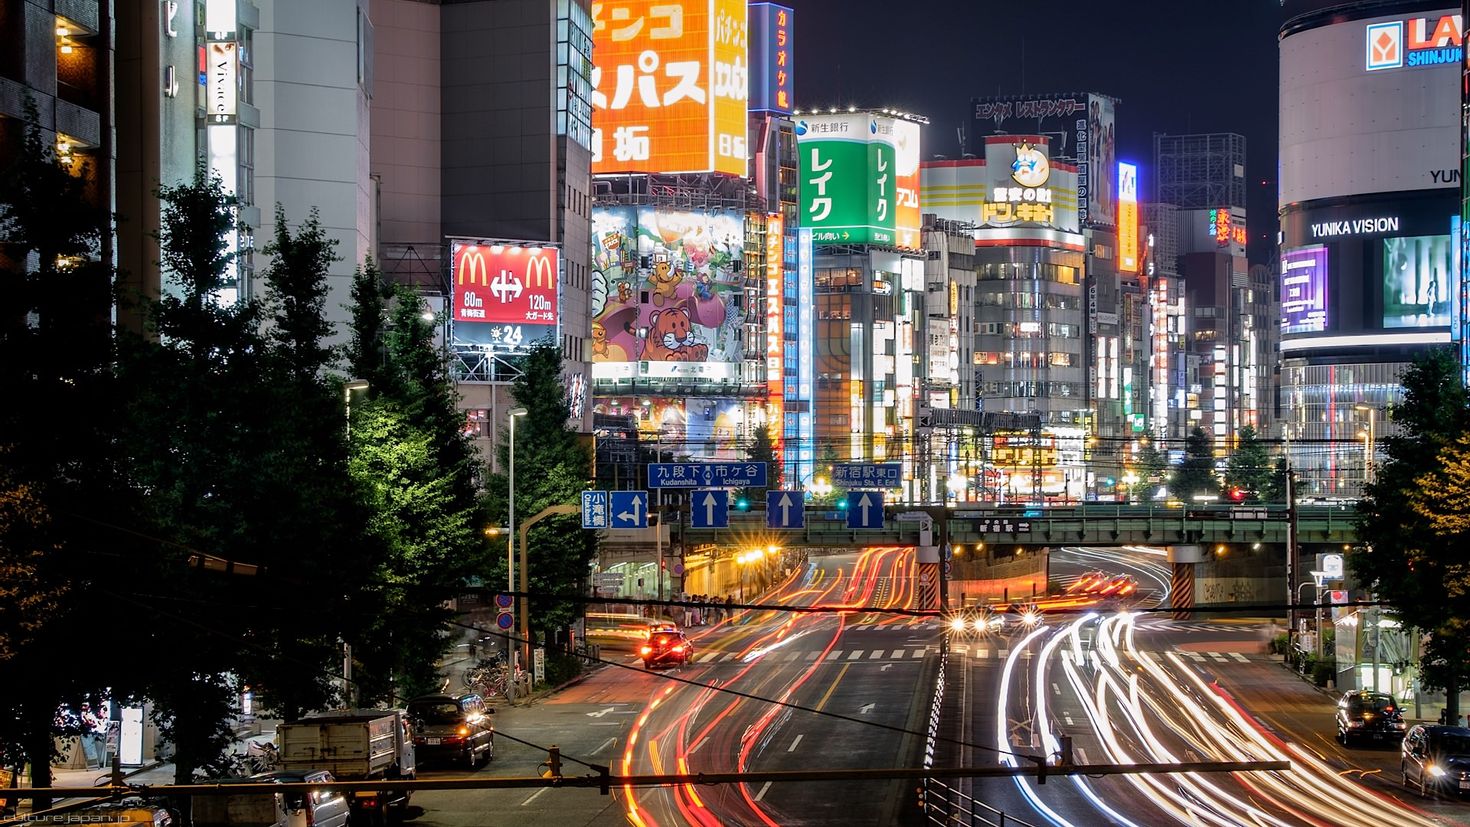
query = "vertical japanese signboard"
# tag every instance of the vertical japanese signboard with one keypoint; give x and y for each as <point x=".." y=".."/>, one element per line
<point x="1128" y="218"/>
<point x="852" y="182"/>
<point x="772" y="67"/>
<point x="505" y="296"/>
<point x="906" y="154"/>
<point x="775" y="330"/>
<point x="670" y="83"/>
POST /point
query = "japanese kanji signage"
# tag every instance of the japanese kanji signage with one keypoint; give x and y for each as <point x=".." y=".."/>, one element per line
<point x="706" y="474"/>
<point x="772" y="61"/>
<point x="859" y="179"/>
<point x="505" y="296"/>
<point x="867" y="475"/>
<point x="670" y="80"/>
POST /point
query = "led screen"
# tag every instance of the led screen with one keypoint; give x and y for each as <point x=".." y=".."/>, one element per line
<point x="666" y="290"/>
<point x="1304" y="290"/>
<point x="1417" y="286"/>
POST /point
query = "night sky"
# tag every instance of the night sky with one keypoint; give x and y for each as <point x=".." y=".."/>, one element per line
<point x="1177" y="66"/>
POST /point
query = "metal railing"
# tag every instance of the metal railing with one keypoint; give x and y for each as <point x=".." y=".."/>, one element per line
<point x="942" y="803"/>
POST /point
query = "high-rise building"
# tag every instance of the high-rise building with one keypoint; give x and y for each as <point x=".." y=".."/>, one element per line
<point x="1369" y="196"/>
<point x="61" y="59"/>
<point x="481" y="160"/>
<point x="860" y="194"/>
<point x="1198" y="219"/>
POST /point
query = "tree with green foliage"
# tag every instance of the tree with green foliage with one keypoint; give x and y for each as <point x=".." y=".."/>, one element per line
<point x="1275" y="490"/>
<point x="416" y="467"/>
<point x="1149" y="466"/>
<point x="1413" y="553"/>
<point x="553" y="467"/>
<point x="1249" y="466"/>
<point x="197" y="393"/>
<point x="1195" y="474"/>
<point x="62" y="493"/>
<point x="762" y="449"/>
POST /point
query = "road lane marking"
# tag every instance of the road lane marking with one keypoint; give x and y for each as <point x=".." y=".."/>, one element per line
<point x="1068" y="719"/>
<point x="534" y="796"/>
<point x="1056" y="690"/>
<point x="833" y="655"/>
<point x="1238" y="656"/>
<point x="702" y="742"/>
<point x="919" y="653"/>
<point x="856" y="653"/>
<point x="605" y="744"/>
<point x="832" y="688"/>
<point x="792" y="748"/>
<point x="706" y="657"/>
<point x="762" y="793"/>
<point x="812" y="655"/>
<point x="877" y="653"/>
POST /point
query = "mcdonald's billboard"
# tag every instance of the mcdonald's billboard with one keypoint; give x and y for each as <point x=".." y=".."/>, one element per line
<point x="505" y="296"/>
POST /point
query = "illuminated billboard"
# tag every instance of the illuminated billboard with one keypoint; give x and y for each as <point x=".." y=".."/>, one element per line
<point x="666" y="293"/>
<point x="705" y="428"/>
<point x="1304" y="290"/>
<point x="1128" y="259"/>
<point x="670" y="81"/>
<point x="775" y="327"/>
<point x="504" y="295"/>
<point x="1081" y="128"/>
<point x="772" y="59"/>
<point x="854" y="190"/>
<point x="1417" y="281"/>
<point x="1347" y="128"/>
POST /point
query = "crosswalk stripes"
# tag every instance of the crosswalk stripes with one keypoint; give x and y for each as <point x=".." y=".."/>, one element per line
<point x="843" y="655"/>
<point x="985" y="653"/>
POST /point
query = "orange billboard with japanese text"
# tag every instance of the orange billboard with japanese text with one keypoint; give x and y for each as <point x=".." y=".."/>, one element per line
<point x="669" y="86"/>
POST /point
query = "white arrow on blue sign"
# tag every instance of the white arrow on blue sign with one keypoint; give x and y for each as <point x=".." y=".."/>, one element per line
<point x="594" y="509"/>
<point x="629" y="509"/>
<point x="865" y="509"/>
<point x="710" y="508"/>
<point x="785" y="509"/>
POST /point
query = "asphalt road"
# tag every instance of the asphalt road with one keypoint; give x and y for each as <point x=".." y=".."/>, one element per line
<point x="853" y="682"/>
<point x="1131" y="688"/>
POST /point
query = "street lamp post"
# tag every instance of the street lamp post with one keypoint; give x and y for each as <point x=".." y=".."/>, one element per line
<point x="510" y="538"/>
<point x="548" y="511"/>
<point x="347" y="388"/>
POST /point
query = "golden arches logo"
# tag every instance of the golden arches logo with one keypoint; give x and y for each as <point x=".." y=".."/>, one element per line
<point x="541" y="273"/>
<point x="472" y="267"/>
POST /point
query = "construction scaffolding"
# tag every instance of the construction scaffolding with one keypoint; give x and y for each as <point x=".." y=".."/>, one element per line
<point x="1200" y="172"/>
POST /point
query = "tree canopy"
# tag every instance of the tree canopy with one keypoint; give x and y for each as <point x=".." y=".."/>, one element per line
<point x="1195" y="474"/>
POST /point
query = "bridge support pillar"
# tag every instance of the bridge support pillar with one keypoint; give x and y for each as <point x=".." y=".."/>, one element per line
<point x="1181" y="586"/>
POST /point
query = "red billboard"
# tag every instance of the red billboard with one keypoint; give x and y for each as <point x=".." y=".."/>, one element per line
<point x="500" y="284"/>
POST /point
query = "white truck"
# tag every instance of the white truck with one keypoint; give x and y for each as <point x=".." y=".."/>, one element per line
<point x="355" y="745"/>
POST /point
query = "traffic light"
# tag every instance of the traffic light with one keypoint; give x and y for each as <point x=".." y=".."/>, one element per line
<point x="842" y="504"/>
<point x="742" y="503"/>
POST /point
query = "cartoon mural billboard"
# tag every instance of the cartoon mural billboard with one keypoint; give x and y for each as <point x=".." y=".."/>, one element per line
<point x="666" y="287"/>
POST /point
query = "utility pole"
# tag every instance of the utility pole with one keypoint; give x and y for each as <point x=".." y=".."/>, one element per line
<point x="1291" y="555"/>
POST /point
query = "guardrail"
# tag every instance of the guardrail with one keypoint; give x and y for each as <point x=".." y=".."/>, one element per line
<point x="942" y="803"/>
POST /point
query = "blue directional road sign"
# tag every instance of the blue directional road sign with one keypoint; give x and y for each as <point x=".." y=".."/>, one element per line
<point x="867" y="475"/>
<point x="706" y="475"/>
<point x="865" y="509"/>
<point x="785" y="509"/>
<point x="628" y="509"/>
<point x="710" y="508"/>
<point x="594" y="509"/>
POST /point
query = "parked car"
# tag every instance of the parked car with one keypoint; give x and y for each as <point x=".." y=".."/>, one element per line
<point x="1436" y="759"/>
<point x="1365" y="715"/>
<point x="453" y="727"/>
<point x="666" y="649"/>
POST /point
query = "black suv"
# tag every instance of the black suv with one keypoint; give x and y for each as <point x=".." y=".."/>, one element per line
<point x="1436" y="759"/>
<point x="455" y="727"/>
<point x="1364" y="715"/>
<point x="666" y="649"/>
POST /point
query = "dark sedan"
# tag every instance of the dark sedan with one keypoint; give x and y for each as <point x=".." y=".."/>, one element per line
<point x="1363" y="715"/>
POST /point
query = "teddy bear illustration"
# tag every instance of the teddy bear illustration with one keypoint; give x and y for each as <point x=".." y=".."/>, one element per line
<point x="599" y="340"/>
<point x="671" y="338"/>
<point x="665" y="280"/>
<point x="625" y="292"/>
